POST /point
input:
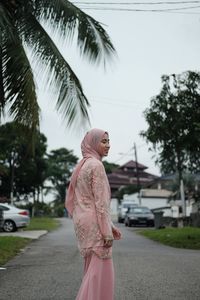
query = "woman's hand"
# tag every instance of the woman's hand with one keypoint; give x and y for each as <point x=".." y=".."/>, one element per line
<point x="108" y="242"/>
<point x="116" y="233"/>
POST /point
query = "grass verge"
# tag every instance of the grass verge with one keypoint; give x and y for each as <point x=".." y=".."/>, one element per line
<point x="43" y="223"/>
<point x="186" y="237"/>
<point x="11" y="246"/>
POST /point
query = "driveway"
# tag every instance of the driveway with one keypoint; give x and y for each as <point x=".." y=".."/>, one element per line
<point x="51" y="269"/>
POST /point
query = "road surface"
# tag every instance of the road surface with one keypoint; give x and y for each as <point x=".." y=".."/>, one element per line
<point x="51" y="269"/>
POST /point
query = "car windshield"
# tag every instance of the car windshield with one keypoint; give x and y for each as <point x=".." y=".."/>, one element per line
<point x="140" y="210"/>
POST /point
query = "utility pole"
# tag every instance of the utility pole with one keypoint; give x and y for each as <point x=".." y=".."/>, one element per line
<point x="182" y="193"/>
<point x="12" y="166"/>
<point x="137" y="172"/>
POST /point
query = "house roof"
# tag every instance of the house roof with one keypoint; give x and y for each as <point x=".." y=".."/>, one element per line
<point x="155" y="193"/>
<point x="132" y="165"/>
<point x="127" y="175"/>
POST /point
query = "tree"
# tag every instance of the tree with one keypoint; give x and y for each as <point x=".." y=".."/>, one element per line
<point x="109" y="167"/>
<point x="22" y="173"/>
<point x="23" y="26"/>
<point x="174" y="123"/>
<point x="61" y="163"/>
<point x="129" y="189"/>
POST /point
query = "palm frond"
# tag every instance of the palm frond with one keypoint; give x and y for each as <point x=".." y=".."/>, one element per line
<point x="19" y="86"/>
<point x="71" y="101"/>
<point x="2" y="95"/>
<point x="5" y="23"/>
<point x="93" y="41"/>
<point x="5" y="29"/>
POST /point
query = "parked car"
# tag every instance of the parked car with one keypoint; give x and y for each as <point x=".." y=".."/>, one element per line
<point x="140" y="215"/>
<point x="14" y="217"/>
<point x="1" y="218"/>
<point x="123" y="209"/>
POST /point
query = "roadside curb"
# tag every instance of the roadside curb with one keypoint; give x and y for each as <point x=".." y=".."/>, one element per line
<point x="31" y="234"/>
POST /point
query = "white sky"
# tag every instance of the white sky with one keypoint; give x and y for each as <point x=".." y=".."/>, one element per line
<point x="148" y="45"/>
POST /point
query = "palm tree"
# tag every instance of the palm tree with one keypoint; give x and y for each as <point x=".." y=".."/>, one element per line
<point x="22" y="30"/>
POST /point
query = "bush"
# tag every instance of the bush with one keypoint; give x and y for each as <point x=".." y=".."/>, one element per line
<point x="59" y="210"/>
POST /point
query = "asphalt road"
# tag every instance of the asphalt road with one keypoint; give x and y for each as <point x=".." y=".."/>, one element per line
<point x="51" y="269"/>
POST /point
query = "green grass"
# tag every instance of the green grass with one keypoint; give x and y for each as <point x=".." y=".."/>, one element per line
<point x="43" y="223"/>
<point x="11" y="246"/>
<point x="186" y="237"/>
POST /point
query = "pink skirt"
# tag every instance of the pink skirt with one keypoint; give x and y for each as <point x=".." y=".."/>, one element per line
<point x="98" y="279"/>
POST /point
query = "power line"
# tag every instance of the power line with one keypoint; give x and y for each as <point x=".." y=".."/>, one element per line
<point x="138" y="3"/>
<point x="124" y="104"/>
<point x="141" y="10"/>
<point x="129" y="152"/>
<point x="114" y="100"/>
<point x="104" y="6"/>
<point x="124" y="155"/>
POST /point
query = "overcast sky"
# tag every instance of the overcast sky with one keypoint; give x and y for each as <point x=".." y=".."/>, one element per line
<point x="148" y="45"/>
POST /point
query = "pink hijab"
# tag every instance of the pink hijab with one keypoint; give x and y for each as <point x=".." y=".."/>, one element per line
<point x="89" y="148"/>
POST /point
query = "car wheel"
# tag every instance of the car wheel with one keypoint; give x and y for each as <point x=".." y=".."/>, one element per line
<point x="129" y="223"/>
<point x="9" y="226"/>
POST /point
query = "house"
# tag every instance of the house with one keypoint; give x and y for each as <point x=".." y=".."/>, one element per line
<point x="167" y="181"/>
<point x="131" y="173"/>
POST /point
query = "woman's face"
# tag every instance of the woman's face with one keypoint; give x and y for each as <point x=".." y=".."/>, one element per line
<point x="104" y="145"/>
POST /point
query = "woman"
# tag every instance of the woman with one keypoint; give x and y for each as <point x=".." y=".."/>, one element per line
<point x="88" y="202"/>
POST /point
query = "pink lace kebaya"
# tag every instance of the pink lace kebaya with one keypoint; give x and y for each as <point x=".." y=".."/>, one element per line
<point x="88" y="198"/>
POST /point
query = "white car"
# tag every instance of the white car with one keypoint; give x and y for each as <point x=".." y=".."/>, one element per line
<point x="14" y="217"/>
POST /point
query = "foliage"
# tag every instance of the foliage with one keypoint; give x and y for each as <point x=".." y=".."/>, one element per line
<point x="37" y="208"/>
<point x="24" y="25"/>
<point x="174" y="123"/>
<point x="190" y="187"/>
<point x="61" y="163"/>
<point x="109" y="167"/>
<point x="59" y="210"/>
<point x="24" y="173"/>
<point x="10" y="246"/>
<point x="129" y="189"/>
<point x="187" y="237"/>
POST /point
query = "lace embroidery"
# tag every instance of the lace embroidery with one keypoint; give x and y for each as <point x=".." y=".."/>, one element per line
<point x="101" y="252"/>
<point x="91" y="213"/>
<point x="80" y="231"/>
<point x="93" y="233"/>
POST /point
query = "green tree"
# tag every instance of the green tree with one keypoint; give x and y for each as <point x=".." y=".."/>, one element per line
<point x="23" y="26"/>
<point x="23" y="174"/>
<point x="109" y="167"/>
<point x="129" y="189"/>
<point x="61" y="163"/>
<point x="174" y="124"/>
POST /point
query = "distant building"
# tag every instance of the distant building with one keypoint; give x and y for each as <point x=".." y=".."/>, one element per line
<point x="129" y="174"/>
<point x="152" y="198"/>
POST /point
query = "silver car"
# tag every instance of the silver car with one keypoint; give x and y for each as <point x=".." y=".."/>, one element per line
<point x="140" y="215"/>
<point x="14" y="217"/>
